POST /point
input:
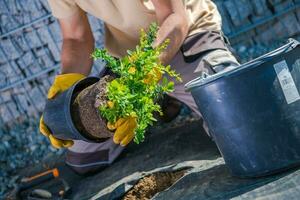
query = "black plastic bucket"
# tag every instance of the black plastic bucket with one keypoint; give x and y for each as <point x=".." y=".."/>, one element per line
<point x="57" y="113"/>
<point x="253" y="112"/>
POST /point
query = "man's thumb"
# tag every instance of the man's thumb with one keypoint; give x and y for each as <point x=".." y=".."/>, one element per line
<point x="52" y="92"/>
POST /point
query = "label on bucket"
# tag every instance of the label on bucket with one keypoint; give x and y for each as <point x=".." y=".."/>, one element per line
<point x="286" y="81"/>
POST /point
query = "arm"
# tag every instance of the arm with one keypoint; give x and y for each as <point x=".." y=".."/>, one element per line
<point x="173" y="23"/>
<point x="78" y="44"/>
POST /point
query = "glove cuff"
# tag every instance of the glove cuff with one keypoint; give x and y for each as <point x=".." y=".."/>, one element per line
<point x="71" y="77"/>
<point x="63" y="82"/>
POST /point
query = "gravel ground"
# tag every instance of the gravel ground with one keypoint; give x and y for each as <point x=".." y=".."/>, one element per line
<point x="245" y="53"/>
<point x="23" y="145"/>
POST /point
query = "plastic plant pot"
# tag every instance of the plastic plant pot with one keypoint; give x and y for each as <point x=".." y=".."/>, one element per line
<point x="253" y="112"/>
<point x="57" y="113"/>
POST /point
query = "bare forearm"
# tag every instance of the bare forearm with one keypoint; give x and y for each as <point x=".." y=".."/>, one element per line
<point x="75" y="56"/>
<point x="175" y="29"/>
<point x="78" y="44"/>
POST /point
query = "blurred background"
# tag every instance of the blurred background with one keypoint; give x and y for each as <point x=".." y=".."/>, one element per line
<point x="30" y="43"/>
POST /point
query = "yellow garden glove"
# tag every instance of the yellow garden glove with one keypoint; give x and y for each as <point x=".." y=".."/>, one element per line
<point x="124" y="130"/>
<point x="61" y="83"/>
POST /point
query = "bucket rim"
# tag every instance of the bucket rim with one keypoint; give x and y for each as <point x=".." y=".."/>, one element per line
<point x="200" y="81"/>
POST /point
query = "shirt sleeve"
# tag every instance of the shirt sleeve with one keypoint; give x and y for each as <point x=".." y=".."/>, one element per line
<point x="63" y="8"/>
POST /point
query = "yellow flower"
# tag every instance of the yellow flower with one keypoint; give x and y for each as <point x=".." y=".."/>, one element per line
<point x="147" y="80"/>
<point x="132" y="70"/>
<point x="154" y="75"/>
<point x="132" y="58"/>
<point x="110" y="104"/>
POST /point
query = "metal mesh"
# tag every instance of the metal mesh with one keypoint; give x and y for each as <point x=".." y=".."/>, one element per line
<point x="30" y="43"/>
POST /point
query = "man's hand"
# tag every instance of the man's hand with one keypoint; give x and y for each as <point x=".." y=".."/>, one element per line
<point x="61" y="83"/>
<point x="77" y="46"/>
<point x="172" y="19"/>
<point x="124" y="130"/>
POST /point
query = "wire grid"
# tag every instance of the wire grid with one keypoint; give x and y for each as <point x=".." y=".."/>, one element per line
<point x="29" y="53"/>
<point x="29" y="60"/>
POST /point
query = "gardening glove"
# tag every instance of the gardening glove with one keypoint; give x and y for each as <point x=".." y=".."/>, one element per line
<point x="61" y="83"/>
<point x="124" y="130"/>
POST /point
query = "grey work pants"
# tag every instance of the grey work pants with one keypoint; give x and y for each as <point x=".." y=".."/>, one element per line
<point x="205" y="52"/>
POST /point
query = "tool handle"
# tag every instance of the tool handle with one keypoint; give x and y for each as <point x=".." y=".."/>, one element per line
<point x="39" y="178"/>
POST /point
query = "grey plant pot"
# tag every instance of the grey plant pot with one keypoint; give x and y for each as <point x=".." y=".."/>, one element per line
<point x="57" y="113"/>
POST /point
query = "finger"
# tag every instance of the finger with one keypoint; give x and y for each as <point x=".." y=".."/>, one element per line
<point x="120" y="122"/>
<point x="132" y="123"/>
<point x="111" y="126"/>
<point x="116" y="139"/>
<point x="56" y="143"/>
<point x="127" y="139"/>
<point x="121" y="132"/>
<point x="67" y="143"/>
<point x="43" y="128"/>
<point x="52" y="92"/>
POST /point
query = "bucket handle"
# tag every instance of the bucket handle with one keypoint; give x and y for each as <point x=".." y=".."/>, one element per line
<point x="291" y="44"/>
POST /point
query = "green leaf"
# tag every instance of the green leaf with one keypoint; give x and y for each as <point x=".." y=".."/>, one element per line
<point x="170" y="86"/>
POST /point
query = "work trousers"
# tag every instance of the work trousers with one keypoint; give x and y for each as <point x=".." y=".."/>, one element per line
<point x="206" y="52"/>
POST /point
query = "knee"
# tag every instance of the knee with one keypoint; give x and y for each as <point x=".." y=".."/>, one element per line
<point x="86" y="163"/>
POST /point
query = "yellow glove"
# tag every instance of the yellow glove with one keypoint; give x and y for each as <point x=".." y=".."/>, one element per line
<point x="125" y="128"/>
<point x="61" y="83"/>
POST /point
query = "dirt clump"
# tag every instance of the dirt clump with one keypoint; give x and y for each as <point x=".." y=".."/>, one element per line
<point x="152" y="184"/>
<point x="85" y="112"/>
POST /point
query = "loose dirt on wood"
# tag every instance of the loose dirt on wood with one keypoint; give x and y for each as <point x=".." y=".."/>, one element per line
<point x="152" y="184"/>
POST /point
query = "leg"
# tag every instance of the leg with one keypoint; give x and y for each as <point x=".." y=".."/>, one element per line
<point x="84" y="157"/>
<point x="209" y="62"/>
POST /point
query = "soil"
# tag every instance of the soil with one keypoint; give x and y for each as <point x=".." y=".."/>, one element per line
<point x="85" y="112"/>
<point x="152" y="184"/>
